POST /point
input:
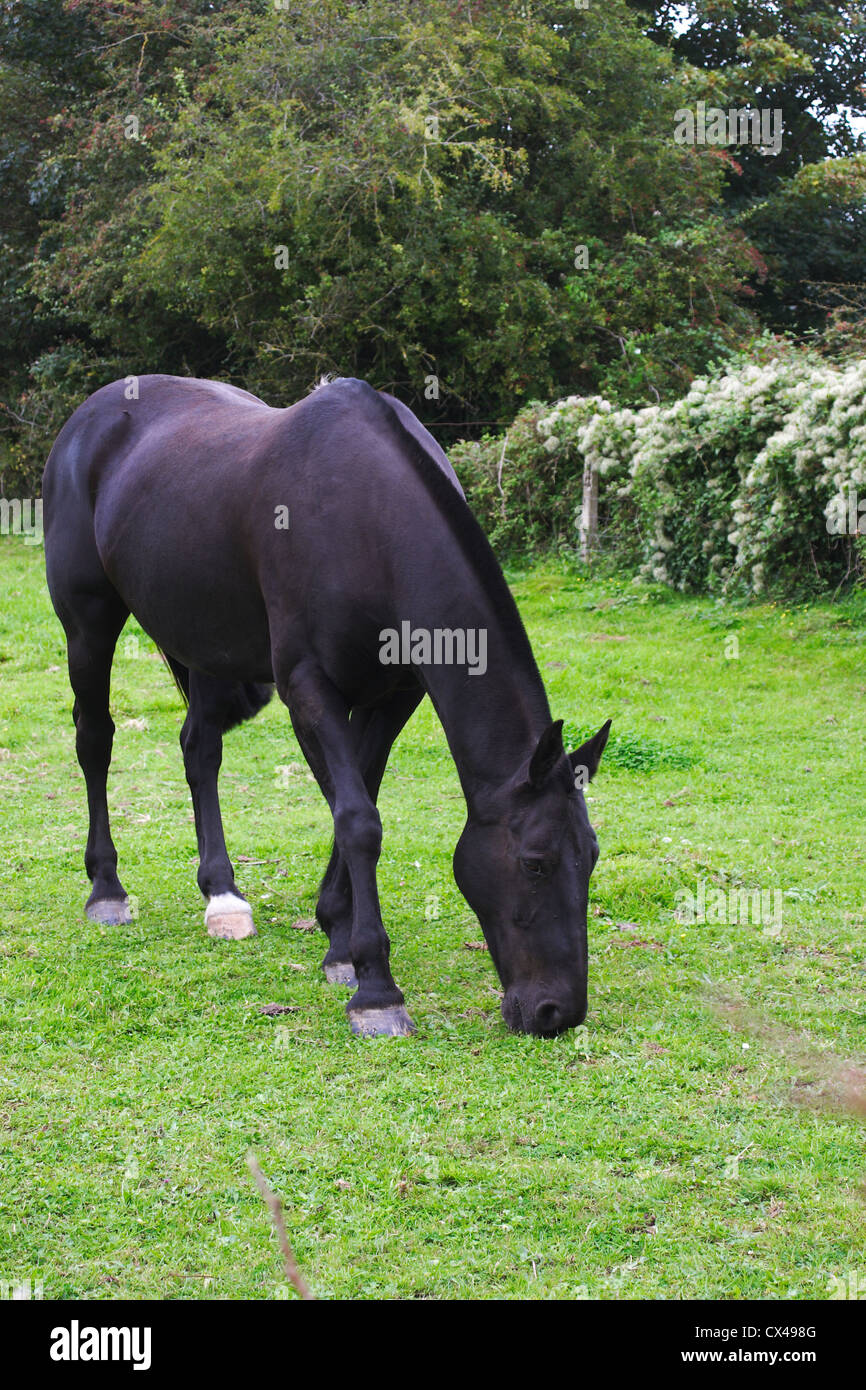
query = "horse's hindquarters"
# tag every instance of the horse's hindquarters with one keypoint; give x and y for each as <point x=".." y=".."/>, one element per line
<point x="184" y="571"/>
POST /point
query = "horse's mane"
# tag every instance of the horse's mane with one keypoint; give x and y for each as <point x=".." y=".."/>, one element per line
<point x="467" y="531"/>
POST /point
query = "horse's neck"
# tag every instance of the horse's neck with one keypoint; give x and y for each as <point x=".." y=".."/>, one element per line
<point x="492" y="721"/>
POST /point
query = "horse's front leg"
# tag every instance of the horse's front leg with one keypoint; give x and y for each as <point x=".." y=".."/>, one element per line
<point x="373" y="731"/>
<point x="320" y="717"/>
<point x="228" y="915"/>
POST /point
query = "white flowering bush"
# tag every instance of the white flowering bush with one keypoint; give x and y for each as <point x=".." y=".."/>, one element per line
<point x="585" y="430"/>
<point x="690" y="463"/>
<point x="802" y="500"/>
<point x="754" y="480"/>
<point x="745" y="483"/>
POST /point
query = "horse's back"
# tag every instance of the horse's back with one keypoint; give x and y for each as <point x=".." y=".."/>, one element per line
<point x="215" y="516"/>
<point x="213" y="429"/>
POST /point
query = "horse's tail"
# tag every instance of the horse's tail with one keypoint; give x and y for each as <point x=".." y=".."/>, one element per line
<point x="247" y="698"/>
<point x="180" y="675"/>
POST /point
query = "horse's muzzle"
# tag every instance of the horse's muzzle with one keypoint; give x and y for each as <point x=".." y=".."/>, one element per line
<point x="543" y="1011"/>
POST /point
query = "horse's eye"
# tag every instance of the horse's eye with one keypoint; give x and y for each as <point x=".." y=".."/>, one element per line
<point x="537" y="868"/>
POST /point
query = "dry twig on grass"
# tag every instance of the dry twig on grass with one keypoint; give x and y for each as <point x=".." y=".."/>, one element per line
<point x="275" y="1207"/>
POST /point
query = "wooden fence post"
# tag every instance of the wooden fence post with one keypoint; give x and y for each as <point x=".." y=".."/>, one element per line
<point x="589" y="513"/>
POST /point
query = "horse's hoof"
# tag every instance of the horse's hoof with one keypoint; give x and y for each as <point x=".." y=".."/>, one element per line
<point x="392" y="1022"/>
<point x="231" y="926"/>
<point x="229" y="918"/>
<point x="340" y="972"/>
<point x="111" y="912"/>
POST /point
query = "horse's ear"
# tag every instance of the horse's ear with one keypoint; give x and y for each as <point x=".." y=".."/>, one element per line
<point x="585" y="759"/>
<point x="548" y="753"/>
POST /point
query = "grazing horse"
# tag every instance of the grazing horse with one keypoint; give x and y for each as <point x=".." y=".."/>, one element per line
<point x="326" y="549"/>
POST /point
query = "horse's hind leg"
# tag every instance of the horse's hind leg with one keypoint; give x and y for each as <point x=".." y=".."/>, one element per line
<point x="92" y="629"/>
<point x="211" y="704"/>
<point x="375" y="730"/>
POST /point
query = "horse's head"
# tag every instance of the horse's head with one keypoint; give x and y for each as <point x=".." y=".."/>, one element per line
<point x="523" y="864"/>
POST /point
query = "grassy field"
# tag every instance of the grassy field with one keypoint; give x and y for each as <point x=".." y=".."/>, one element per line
<point x="664" y="1150"/>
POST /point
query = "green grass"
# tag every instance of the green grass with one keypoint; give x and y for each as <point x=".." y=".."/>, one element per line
<point x="137" y="1069"/>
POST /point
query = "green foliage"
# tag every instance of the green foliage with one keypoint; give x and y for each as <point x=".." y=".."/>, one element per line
<point x="429" y="216"/>
<point x="806" y="59"/>
<point x="629" y="291"/>
<point x="59" y="380"/>
<point x="73" y="72"/>
<point x="812" y="230"/>
<point x="430" y="176"/>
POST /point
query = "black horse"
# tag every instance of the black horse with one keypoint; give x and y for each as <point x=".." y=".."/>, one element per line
<point x="327" y="549"/>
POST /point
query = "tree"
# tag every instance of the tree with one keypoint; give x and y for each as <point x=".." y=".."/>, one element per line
<point x="803" y="209"/>
<point x="465" y="203"/>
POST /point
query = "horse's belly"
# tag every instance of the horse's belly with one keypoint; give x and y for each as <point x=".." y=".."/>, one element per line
<point x="221" y="633"/>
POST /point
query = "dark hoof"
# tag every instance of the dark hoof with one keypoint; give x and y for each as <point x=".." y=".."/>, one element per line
<point x="111" y="912"/>
<point x="391" y="1022"/>
<point x="340" y="972"/>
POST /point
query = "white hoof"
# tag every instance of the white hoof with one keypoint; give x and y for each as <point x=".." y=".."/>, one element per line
<point x="228" y="917"/>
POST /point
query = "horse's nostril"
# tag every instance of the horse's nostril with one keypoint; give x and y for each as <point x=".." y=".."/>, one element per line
<point x="548" y="1016"/>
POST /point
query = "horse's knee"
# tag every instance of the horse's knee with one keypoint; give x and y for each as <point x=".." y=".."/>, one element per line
<point x="358" y="831"/>
<point x="94" y="730"/>
<point x="94" y="737"/>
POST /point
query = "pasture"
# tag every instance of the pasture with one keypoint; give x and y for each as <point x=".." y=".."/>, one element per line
<point x="661" y="1151"/>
